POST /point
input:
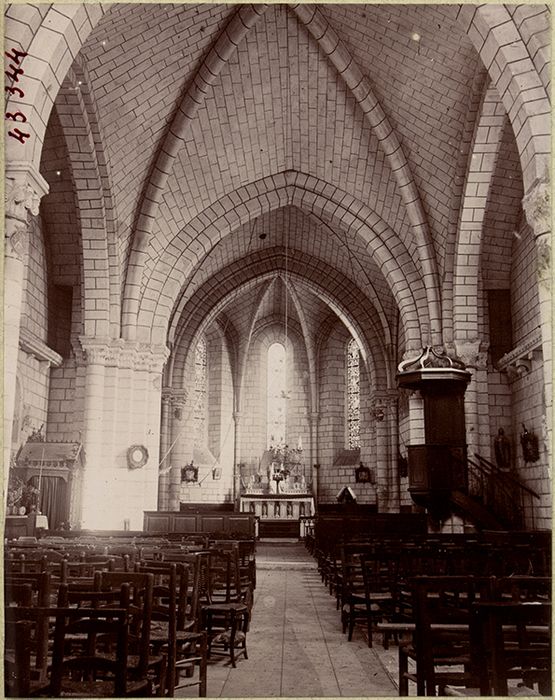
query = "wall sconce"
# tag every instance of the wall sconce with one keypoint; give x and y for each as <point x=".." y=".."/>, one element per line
<point x="216" y="473"/>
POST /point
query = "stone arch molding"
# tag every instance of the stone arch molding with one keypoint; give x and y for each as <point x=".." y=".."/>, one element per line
<point x="169" y="275"/>
<point x="373" y="353"/>
<point x="51" y="49"/>
<point x="507" y="59"/>
<point x="100" y="270"/>
<point x="63" y="29"/>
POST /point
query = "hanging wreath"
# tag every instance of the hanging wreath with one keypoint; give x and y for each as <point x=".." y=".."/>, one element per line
<point x="137" y="456"/>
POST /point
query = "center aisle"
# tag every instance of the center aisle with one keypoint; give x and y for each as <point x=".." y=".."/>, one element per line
<point x="295" y="644"/>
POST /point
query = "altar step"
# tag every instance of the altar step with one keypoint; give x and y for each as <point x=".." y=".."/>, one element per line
<point x="278" y="528"/>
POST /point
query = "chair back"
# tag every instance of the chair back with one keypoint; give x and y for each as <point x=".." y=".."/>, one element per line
<point x="512" y="640"/>
<point x="140" y="610"/>
<point x="73" y="672"/>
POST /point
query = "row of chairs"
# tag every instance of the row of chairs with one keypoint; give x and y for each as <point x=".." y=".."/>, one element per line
<point x="395" y="564"/>
<point x="459" y="631"/>
<point x="194" y="605"/>
<point x="477" y="636"/>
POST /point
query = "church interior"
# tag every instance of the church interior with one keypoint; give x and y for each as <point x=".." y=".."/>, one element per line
<point x="279" y="274"/>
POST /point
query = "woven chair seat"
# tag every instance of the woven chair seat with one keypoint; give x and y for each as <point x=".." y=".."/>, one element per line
<point x="225" y="638"/>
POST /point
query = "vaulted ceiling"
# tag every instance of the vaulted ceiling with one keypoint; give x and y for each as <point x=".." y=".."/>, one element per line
<point x="275" y="103"/>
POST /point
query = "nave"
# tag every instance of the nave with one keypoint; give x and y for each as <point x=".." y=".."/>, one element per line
<point x="296" y="648"/>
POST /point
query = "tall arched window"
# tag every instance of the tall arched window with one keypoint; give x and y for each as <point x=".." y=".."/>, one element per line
<point x="199" y="415"/>
<point x="353" y="395"/>
<point x="276" y="393"/>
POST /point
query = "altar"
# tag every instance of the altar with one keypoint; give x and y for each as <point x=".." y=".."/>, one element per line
<point x="278" y="492"/>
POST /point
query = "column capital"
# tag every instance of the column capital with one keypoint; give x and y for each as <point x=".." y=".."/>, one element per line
<point x="537" y="206"/>
<point x="470" y="352"/>
<point x="179" y="397"/>
<point x="95" y="350"/>
<point x="116" y="352"/>
<point x="24" y="188"/>
<point x="172" y="395"/>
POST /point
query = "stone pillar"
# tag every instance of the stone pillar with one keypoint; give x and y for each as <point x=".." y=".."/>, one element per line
<point x="24" y="188"/>
<point x="378" y="409"/>
<point x="313" y="419"/>
<point x="537" y="207"/>
<point x="93" y="443"/>
<point x="476" y="404"/>
<point x="121" y="412"/>
<point x="165" y="442"/>
<point x="393" y="450"/>
<point x="179" y="452"/>
<point x="236" y="458"/>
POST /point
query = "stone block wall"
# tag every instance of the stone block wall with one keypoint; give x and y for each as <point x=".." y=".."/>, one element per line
<point x="332" y="427"/>
<point x="528" y="390"/>
<point x="33" y="373"/>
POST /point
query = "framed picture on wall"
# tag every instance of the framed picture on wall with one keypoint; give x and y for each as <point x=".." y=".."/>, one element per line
<point x="363" y="475"/>
<point x="189" y="473"/>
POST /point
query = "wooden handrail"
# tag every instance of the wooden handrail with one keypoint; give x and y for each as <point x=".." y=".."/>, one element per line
<point x="506" y="475"/>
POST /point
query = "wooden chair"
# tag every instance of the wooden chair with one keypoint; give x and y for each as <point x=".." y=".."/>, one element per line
<point x="85" y="670"/>
<point x="25" y="565"/>
<point x="86" y="569"/>
<point x="18" y="594"/>
<point x="75" y="595"/>
<point x="170" y="631"/>
<point x="512" y="642"/>
<point x="522" y="589"/>
<point x="353" y="596"/>
<point x="140" y="661"/>
<point x="17" y="659"/>
<point x="441" y="640"/>
<point x="40" y="584"/>
<point x="226" y="612"/>
<point x="380" y="592"/>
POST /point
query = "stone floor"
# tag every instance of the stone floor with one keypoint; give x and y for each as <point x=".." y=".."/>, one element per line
<point x="295" y="644"/>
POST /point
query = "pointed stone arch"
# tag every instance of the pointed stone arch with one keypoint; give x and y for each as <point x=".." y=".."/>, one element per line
<point x="309" y="194"/>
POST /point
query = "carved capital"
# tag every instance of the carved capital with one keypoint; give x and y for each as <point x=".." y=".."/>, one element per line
<point x="96" y="350"/>
<point x="469" y="351"/>
<point x="16" y="239"/>
<point x="537" y="206"/>
<point x="151" y="357"/>
<point x="124" y="355"/>
<point x="179" y="397"/>
<point x="24" y="188"/>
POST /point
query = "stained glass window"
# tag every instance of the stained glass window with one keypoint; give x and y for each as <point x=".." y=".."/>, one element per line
<point x="353" y="395"/>
<point x="199" y="414"/>
<point x="276" y="393"/>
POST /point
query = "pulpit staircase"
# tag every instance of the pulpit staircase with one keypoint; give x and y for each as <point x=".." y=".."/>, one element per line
<point x="496" y="499"/>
